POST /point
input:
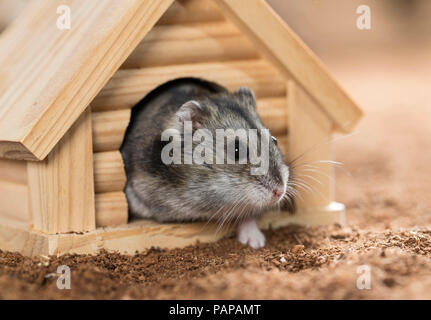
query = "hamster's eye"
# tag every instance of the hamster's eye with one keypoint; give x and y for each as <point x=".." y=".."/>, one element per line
<point x="275" y="140"/>
<point x="238" y="154"/>
<point x="236" y="150"/>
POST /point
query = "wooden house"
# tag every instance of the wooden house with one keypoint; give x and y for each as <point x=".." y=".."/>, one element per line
<point x="66" y="97"/>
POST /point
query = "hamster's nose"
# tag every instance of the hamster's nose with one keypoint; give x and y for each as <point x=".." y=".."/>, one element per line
<point x="276" y="193"/>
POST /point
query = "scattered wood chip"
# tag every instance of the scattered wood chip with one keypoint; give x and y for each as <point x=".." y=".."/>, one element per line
<point x="276" y="262"/>
<point x="297" y="248"/>
<point x="342" y="234"/>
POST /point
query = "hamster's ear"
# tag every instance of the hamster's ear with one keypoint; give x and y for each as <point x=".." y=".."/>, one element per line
<point x="191" y="111"/>
<point x="247" y="96"/>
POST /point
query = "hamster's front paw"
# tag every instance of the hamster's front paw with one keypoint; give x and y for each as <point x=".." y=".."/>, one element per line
<point x="249" y="233"/>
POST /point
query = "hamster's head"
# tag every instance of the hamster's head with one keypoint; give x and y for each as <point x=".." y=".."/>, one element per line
<point x="238" y="169"/>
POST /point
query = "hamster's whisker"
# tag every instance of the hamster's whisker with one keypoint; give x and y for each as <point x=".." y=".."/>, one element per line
<point x="303" y="186"/>
<point x="245" y="207"/>
<point x="303" y="182"/>
<point x="290" y="195"/>
<point x="313" y="189"/>
<point x="212" y="217"/>
<point x="320" y="172"/>
<point x="222" y="208"/>
<point x="242" y="208"/>
<point x="298" y="195"/>
<point x="307" y="165"/>
<point x="223" y="212"/>
<point x="338" y="163"/>
<point x="318" y="144"/>
<point x="240" y="213"/>
<point x="290" y="192"/>
<point x="288" y="198"/>
<point x="291" y="185"/>
<point x="310" y="164"/>
<point x="228" y="214"/>
<point x="311" y="178"/>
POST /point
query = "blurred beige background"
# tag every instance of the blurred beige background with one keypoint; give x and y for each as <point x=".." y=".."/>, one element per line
<point x="387" y="70"/>
<point x="329" y="26"/>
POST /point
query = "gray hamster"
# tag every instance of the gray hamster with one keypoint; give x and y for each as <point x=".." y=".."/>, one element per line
<point x="222" y="192"/>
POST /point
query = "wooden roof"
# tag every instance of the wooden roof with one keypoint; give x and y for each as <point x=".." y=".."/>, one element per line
<point x="48" y="76"/>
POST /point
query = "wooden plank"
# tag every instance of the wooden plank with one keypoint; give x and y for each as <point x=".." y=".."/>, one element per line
<point x="111" y="209"/>
<point x="9" y="9"/>
<point x="12" y="150"/>
<point x="191" y="43"/>
<point x="192" y="31"/>
<point x="283" y="47"/>
<point x="14" y="171"/>
<point x="49" y="76"/>
<point x="283" y="144"/>
<point x="109" y="129"/>
<point x="310" y="147"/>
<point x="109" y="173"/>
<point x="186" y="11"/>
<point x="273" y="112"/>
<point x="13" y="203"/>
<point x="16" y="239"/>
<point x="144" y="234"/>
<point x="61" y="188"/>
<point x="128" y="87"/>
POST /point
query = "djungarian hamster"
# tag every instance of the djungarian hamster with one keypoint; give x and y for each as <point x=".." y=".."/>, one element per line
<point x="209" y="191"/>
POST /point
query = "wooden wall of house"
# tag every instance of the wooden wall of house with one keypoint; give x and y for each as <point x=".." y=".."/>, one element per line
<point x="193" y="38"/>
<point x="13" y="193"/>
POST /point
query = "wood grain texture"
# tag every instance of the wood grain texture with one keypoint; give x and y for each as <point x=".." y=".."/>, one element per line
<point x="16" y="239"/>
<point x="61" y="187"/>
<point x="191" y="43"/>
<point x="273" y="112"/>
<point x="283" y="144"/>
<point x="187" y="11"/>
<point x="310" y="144"/>
<point x="109" y="129"/>
<point x="49" y="76"/>
<point x="111" y="209"/>
<point x="290" y="54"/>
<point x="13" y="171"/>
<point x="13" y="204"/>
<point x="128" y="87"/>
<point x="109" y="173"/>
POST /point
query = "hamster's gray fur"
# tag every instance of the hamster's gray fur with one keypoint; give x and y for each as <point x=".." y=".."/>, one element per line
<point x="182" y="192"/>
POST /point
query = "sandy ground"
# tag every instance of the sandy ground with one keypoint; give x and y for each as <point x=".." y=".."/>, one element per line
<point x="385" y="183"/>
